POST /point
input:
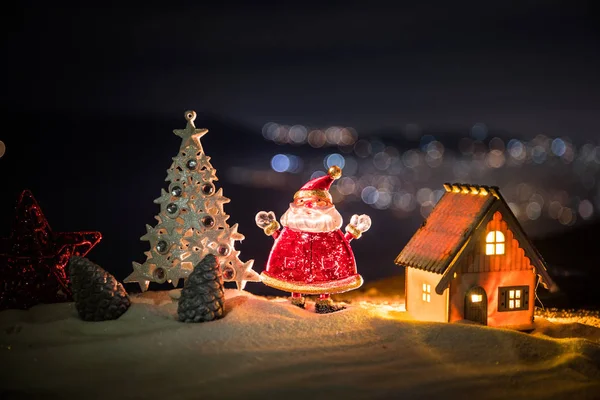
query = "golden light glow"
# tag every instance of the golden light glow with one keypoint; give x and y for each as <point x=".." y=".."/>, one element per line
<point x="476" y="298"/>
<point x="474" y="190"/>
<point x="514" y="298"/>
<point x="426" y="293"/>
<point x="494" y="243"/>
<point x="385" y="309"/>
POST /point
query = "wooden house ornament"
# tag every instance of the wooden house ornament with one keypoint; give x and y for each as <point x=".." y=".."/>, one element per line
<point x="471" y="260"/>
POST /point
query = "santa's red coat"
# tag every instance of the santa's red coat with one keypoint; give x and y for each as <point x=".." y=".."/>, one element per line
<point x="311" y="263"/>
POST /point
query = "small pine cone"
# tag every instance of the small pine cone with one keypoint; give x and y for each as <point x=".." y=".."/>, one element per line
<point x="202" y="296"/>
<point x="98" y="295"/>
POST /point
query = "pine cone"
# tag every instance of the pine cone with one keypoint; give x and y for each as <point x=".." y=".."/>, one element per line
<point x="202" y="296"/>
<point x="98" y="295"/>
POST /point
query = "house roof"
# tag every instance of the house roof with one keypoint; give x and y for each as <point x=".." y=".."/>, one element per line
<point x="436" y="243"/>
<point x="447" y="230"/>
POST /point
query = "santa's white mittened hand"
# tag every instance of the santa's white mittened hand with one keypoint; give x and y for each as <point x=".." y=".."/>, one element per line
<point x="264" y="219"/>
<point x="358" y="224"/>
<point x="361" y="222"/>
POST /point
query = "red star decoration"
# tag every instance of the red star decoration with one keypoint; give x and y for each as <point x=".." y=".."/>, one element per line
<point x="33" y="258"/>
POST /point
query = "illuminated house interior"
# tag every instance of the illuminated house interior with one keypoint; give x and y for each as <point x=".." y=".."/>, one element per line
<point x="471" y="260"/>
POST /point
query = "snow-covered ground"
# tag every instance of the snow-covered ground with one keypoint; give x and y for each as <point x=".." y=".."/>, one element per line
<point x="585" y="317"/>
<point x="269" y="349"/>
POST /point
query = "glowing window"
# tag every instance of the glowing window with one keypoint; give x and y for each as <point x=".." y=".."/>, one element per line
<point x="513" y="298"/>
<point x="427" y="293"/>
<point x="494" y="243"/>
<point x="476" y="298"/>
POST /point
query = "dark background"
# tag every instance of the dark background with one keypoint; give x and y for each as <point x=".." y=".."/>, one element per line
<point x="91" y="94"/>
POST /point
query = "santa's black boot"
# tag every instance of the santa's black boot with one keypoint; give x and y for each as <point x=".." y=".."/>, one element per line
<point x="326" y="306"/>
<point x="298" y="300"/>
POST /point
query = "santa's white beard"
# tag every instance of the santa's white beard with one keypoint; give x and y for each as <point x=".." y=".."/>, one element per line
<point x="312" y="219"/>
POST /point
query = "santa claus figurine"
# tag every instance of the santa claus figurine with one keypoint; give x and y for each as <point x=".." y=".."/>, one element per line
<point x="311" y="254"/>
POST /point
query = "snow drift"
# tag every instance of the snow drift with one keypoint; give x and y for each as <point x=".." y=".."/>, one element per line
<point x="269" y="349"/>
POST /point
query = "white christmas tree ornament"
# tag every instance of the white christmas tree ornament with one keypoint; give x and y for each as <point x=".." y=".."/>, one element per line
<point x="191" y="222"/>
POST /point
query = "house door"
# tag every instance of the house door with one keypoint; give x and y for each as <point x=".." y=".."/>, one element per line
<point x="476" y="305"/>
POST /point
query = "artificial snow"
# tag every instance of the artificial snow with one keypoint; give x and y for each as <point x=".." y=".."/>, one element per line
<point x="269" y="349"/>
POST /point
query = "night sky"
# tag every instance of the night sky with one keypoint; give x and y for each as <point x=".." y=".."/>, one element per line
<point x="94" y="93"/>
<point x="530" y="66"/>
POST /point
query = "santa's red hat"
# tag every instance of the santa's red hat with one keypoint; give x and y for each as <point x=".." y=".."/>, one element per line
<point x="319" y="187"/>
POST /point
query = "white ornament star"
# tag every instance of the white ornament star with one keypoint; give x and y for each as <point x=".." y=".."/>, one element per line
<point x="181" y="270"/>
<point x="150" y="234"/>
<point x="204" y="161"/>
<point x="170" y="224"/>
<point x="234" y="234"/>
<point x="244" y="273"/>
<point x="173" y="175"/>
<point x="165" y="197"/>
<point x="140" y="276"/>
<point x="217" y="200"/>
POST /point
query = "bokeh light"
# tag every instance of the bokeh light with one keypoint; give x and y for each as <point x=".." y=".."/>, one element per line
<point x="558" y="147"/>
<point x="384" y="199"/>
<point x="425" y="140"/>
<point x="516" y="149"/>
<point x="533" y="210"/>
<point x="348" y="136"/>
<point x="362" y="148"/>
<point x="495" y="159"/>
<point x="369" y="195"/>
<point x="586" y="209"/>
<point x="424" y="195"/>
<point x="269" y="130"/>
<point x="333" y="135"/>
<point x="280" y="163"/>
<point x="346" y="185"/>
<point x="538" y="154"/>
<point x="381" y="160"/>
<point x="411" y="158"/>
<point x="298" y="134"/>
<point x="567" y="216"/>
<point x="497" y="144"/>
<point x="334" y="159"/>
<point x="404" y="201"/>
<point x="286" y="163"/>
<point x="552" y="179"/>
<point x="479" y="131"/>
<point x="316" y="138"/>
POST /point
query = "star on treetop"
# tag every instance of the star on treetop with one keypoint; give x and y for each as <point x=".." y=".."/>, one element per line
<point x="191" y="135"/>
